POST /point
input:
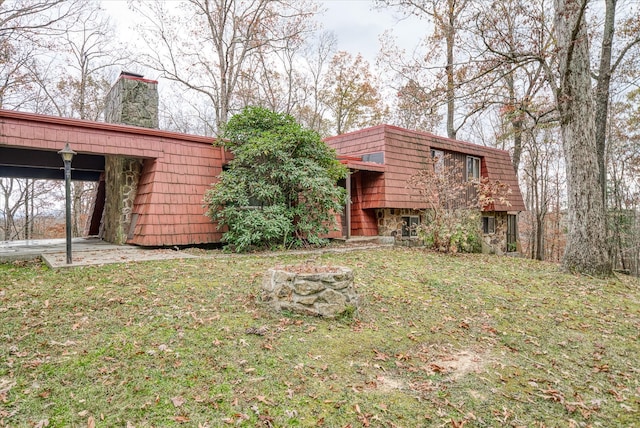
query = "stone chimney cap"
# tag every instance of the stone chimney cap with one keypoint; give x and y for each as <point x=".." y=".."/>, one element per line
<point x="128" y="73"/>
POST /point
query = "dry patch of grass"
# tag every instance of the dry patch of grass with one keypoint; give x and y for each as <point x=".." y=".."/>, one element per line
<point x="438" y="341"/>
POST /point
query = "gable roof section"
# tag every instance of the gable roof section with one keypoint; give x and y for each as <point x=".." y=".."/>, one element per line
<point x="405" y="152"/>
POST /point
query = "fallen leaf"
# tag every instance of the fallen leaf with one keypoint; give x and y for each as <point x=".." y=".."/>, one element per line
<point x="181" y="419"/>
<point x="380" y="355"/>
<point x="91" y="422"/>
<point x="178" y="401"/>
<point x="263" y="399"/>
<point x="456" y="424"/>
<point x="436" y="368"/>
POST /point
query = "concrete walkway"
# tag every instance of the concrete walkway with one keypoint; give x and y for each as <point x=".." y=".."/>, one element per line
<point x="94" y="251"/>
<point x="84" y="252"/>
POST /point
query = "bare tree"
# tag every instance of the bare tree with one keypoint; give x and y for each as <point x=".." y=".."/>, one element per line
<point x="26" y="28"/>
<point x="448" y="18"/>
<point x="23" y="202"/>
<point x="608" y="65"/>
<point x="206" y="45"/>
<point x="317" y="55"/>
<point x="623" y="160"/>
<point x="93" y="55"/>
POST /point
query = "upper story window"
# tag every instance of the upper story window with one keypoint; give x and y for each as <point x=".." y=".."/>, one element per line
<point x="473" y="168"/>
<point x="438" y="160"/>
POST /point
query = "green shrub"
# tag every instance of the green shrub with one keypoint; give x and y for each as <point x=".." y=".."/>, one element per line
<point x="280" y="189"/>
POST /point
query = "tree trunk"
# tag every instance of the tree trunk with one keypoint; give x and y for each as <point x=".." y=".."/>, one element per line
<point x="516" y="123"/>
<point x="586" y="250"/>
<point x="602" y="92"/>
<point x="450" y="40"/>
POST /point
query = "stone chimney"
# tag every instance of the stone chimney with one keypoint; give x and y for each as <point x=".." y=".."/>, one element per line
<point x="133" y="100"/>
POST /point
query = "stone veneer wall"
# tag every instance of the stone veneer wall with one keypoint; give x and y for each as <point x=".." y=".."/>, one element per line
<point x="496" y="243"/>
<point x="390" y="220"/>
<point x="122" y="177"/>
<point x="390" y="224"/>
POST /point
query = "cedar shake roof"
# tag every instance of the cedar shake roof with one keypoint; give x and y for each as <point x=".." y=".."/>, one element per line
<point x="405" y="152"/>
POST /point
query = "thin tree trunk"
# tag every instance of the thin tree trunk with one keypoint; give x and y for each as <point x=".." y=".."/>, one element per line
<point x="516" y="123"/>
<point x="602" y="92"/>
<point x="450" y="40"/>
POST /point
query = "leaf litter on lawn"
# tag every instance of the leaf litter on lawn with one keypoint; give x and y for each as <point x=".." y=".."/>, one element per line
<point x="464" y="340"/>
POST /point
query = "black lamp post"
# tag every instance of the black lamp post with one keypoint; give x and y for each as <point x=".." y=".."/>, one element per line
<point x="67" y="155"/>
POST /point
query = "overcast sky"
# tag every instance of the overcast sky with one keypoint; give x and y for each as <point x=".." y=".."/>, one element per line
<point x="356" y="24"/>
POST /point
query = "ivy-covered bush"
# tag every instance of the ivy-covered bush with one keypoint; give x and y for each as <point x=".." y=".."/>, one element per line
<point x="280" y="189"/>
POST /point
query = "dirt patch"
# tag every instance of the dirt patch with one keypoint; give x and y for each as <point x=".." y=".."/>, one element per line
<point x="459" y="364"/>
<point x="389" y="384"/>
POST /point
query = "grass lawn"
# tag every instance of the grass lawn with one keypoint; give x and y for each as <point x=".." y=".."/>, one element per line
<point x="464" y="340"/>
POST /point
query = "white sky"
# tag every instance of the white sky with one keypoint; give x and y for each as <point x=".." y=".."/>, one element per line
<point x="355" y="22"/>
<point x="358" y="26"/>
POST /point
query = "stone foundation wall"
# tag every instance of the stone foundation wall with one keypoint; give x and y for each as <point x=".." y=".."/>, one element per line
<point x="390" y="224"/>
<point x="496" y="243"/>
<point x="121" y="177"/>
<point x="390" y="220"/>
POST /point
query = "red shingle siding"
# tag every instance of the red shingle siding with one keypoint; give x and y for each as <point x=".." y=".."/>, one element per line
<point x="363" y="220"/>
<point x="177" y="170"/>
<point x="368" y="140"/>
<point x="406" y="152"/>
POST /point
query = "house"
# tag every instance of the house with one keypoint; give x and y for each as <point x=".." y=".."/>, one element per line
<point x="383" y="158"/>
<point x="151" y="183"/>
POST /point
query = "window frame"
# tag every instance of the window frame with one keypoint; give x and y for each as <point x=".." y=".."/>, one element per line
<point x="473" y="168"/>
<point x="437" y="157"/>
<point x="488" y="225"/>
<point x="408" y="230"/>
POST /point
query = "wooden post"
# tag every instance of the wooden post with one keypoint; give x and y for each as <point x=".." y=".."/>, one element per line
<point x="348" y="206"/>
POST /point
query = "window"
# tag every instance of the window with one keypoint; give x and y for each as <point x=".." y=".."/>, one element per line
<point x="410" y="225"/>
<point x="488" y="225"/>
<point x="438" y="161"/>
<point x="473" y="167"/>
<point x="512" y="233"/>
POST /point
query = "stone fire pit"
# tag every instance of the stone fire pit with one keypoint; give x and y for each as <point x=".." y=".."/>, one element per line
<point x="325" y="291"/>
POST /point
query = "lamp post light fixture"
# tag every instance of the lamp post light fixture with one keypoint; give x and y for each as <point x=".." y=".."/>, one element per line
<point x="67" y="156"/>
